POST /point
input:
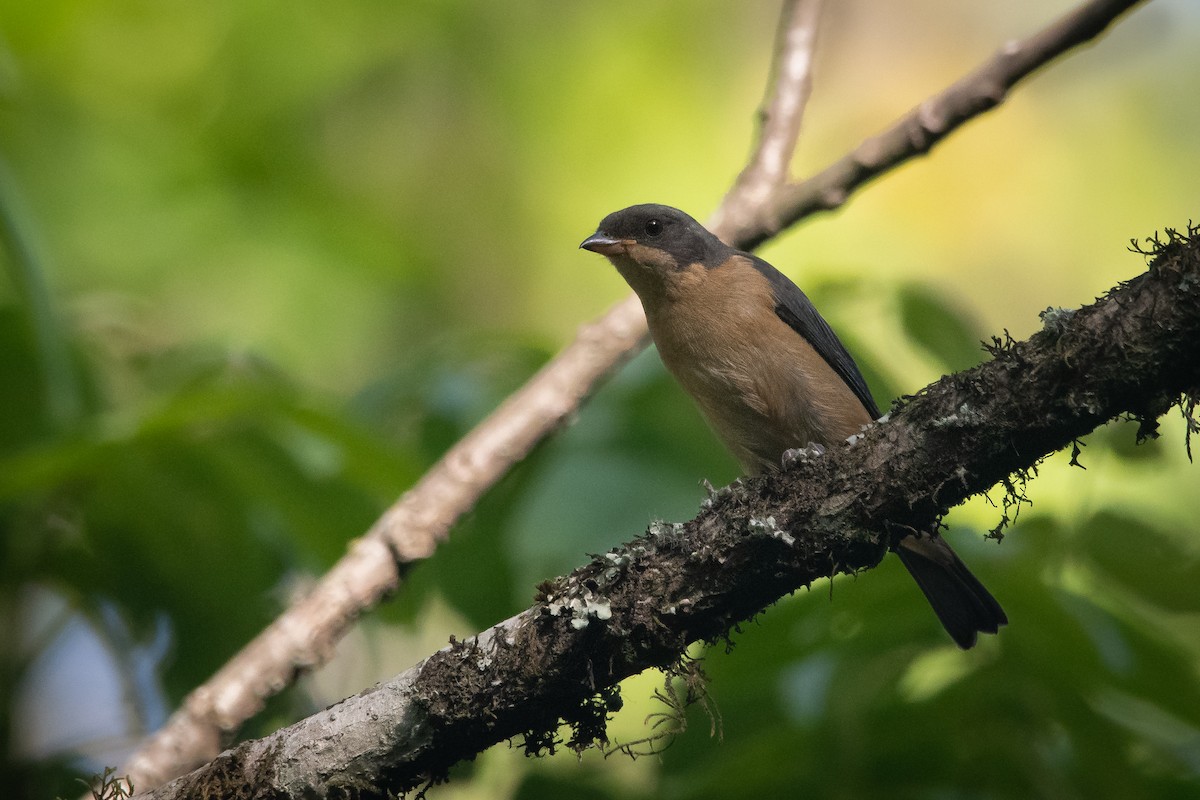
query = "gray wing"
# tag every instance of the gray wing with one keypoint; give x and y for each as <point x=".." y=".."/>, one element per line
<point x="793" y="307"/>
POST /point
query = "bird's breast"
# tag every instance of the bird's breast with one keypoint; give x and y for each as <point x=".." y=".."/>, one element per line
<point x="762" y="387"/>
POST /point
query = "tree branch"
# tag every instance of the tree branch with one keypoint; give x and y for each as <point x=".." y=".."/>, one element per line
<point x="641" y="605"/>
<point x="931" y="121"/>
<point x="781" y="114"/>
<point x="303" y="636"/>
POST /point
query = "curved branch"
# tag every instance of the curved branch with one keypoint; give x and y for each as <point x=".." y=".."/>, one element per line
<point x="304" y="635"/>
<point x="642" y="604"/>
<point x="935" y="118"/>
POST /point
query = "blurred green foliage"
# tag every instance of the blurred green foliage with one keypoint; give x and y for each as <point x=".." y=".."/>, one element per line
<point x="263" y="264"/>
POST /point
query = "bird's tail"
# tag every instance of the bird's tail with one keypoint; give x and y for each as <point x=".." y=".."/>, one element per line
<point x="960" y="601"/>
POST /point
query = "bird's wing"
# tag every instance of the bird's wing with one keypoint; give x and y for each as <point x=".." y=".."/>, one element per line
<point x="793" y="307"/>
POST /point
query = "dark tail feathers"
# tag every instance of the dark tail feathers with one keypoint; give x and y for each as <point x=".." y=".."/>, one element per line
<point x="960" y="601"/>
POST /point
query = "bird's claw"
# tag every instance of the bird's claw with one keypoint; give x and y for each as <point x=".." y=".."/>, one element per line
<point x="795" y="454"/>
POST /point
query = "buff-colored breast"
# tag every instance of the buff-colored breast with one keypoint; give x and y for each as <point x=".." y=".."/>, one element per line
<point x="762" y="386"/>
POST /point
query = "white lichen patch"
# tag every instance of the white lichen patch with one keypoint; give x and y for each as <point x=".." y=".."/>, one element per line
<point x="965" y="415"/>
<point x="661" y="528"/>
<point x="582" y="608"/>
<point x="767" y="527"/>
<point x="617" y="559"/>
<point x="1056" y="319"/>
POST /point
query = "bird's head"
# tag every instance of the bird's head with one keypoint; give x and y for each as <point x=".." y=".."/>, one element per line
<point x="649" y="243"/>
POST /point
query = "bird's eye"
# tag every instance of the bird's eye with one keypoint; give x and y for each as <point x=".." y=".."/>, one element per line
<point x="653" y="227"/>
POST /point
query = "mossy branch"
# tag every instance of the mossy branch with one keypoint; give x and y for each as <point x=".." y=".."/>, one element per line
<point x="1134" y="352"/>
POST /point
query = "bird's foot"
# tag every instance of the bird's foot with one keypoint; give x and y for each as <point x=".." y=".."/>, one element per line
<point x="813" y="450"/>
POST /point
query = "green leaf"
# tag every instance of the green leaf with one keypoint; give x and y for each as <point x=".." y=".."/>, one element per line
<point x="27" y="266"/>
<point x="944" y="331"/>
<point x="1148" y="562"/>
<point x="22" y="419"/>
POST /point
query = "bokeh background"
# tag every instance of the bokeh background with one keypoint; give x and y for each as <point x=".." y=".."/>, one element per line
<point x="264" y="262"/>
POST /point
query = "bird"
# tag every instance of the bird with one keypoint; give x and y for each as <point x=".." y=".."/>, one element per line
<point x="767" y="372"/>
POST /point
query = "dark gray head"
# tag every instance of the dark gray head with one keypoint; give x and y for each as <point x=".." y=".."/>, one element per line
<point x="658" y="237"/>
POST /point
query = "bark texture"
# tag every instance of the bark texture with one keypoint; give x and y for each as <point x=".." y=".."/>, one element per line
<point x="1135" y="352"/>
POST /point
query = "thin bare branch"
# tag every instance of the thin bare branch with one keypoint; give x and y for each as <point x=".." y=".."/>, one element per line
<point x="304" y="635"/>
<point x="931" y="121"/>
<point x="781" y="115"/>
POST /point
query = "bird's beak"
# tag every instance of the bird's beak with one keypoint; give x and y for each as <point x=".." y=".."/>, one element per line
<point x="602" y="243"/>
